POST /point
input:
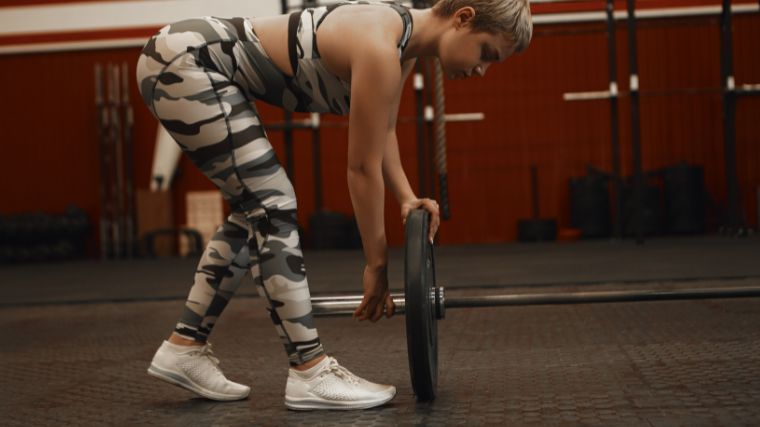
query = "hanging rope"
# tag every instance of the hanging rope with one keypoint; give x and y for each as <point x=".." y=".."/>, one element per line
<point x="440" y="139"/>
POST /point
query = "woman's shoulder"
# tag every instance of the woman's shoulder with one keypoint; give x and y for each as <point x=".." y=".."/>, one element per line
<point x="358" y="33"/>
<point x="363" y="23"/>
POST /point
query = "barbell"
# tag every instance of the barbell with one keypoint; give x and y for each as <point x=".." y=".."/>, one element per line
<point x="423" y="303"/>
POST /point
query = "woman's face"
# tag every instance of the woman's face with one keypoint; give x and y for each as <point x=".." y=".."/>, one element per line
<point x="465" y="53"/>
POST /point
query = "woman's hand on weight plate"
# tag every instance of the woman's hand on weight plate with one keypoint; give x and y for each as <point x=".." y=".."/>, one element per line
<point x="429" y="205"/>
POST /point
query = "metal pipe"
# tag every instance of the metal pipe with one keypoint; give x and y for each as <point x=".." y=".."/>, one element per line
<point x="309" y="123"/>
<point x="344" y="305"/>
<point x="600" y="296"/>
<point x="617" y="183"/>
<point x="740" y="89"/>
<point x="316" y="158"/>
<point x="638" y="177"/>
<point x="733" y="220"/>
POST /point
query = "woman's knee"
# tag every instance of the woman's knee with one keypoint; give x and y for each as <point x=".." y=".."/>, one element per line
<point x="267" y="184"/>
<point x="284" y="195"/>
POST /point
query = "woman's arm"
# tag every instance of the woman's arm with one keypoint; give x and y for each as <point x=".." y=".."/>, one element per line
<point x="375" y="78"/>
<point x="393" y="172"/>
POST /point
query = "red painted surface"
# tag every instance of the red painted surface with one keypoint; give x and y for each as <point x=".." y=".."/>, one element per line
<point x="48" y="124"/>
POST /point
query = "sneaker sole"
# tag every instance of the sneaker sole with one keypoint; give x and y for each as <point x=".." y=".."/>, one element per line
<point x="310" y="404"/>
<point x="180" y="381"/>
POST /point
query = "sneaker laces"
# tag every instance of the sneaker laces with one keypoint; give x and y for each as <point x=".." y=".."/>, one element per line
<point x="341" y="372"/>
<point x="206" y="352"/>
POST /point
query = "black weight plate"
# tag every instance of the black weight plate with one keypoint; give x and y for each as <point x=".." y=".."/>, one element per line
<point x="419" y="283"/>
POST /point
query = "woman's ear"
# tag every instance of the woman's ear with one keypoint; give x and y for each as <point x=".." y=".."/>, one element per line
<point x="464" y="17"/>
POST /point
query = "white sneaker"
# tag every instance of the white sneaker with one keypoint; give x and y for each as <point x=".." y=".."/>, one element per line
<point x="328" y="385"/>
<point x="196" y="369"/>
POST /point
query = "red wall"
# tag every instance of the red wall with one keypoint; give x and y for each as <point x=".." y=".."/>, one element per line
<point x="48" y="124"/>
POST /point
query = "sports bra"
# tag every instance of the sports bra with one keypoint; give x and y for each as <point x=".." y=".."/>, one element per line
<point x="319" y="90"/>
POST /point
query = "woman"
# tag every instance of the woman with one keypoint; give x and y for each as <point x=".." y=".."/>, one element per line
<point x="201" y="77"/>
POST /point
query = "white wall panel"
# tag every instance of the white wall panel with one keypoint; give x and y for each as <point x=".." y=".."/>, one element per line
<point x="109" y="15"/>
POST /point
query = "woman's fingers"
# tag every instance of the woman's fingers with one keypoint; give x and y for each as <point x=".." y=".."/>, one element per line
<point x="372" y="308"/>
<point x="429" y="205"/>
<point x="378" y="312"/>
<point x="387" y="308"/>
<point x="435" y="217"/>
<point x="390" y="306"/>
<point x="359" y="312"/>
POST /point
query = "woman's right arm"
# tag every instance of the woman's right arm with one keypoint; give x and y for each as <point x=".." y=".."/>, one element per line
<point x="375" y="76"/>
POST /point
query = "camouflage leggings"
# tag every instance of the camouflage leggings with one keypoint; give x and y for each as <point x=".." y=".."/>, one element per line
<point x="200" y="78"/>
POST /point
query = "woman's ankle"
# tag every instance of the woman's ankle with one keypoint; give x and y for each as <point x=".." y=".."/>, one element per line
<point x="176" y="339"/>
<point x="309" y="364"/>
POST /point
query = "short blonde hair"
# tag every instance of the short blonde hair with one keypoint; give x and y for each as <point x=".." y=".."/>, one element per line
<point x="508" y="17"/>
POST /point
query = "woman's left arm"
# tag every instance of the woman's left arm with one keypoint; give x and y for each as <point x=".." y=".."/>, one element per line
<point x="393" y="172"/>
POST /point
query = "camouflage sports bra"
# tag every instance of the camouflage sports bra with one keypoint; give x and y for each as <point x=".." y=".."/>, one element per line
<point x="316" y="89"/>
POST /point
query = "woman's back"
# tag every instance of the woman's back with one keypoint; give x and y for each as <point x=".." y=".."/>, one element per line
<point x="344" y="32"/>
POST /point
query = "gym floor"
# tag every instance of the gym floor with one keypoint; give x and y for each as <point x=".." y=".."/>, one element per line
<point x="78" y="337"/>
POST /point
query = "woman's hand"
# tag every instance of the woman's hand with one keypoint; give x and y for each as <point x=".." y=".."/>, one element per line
<point x="377" y="298"/>
<point x="429" y="205"/>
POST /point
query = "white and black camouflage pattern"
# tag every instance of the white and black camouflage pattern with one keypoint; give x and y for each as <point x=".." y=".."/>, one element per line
<point x="318" y="89"/>
<point x="200" y="78"/>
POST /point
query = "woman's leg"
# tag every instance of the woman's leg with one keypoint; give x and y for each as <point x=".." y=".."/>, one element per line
<point x="220" y="130"/>
<point x="197" y="101"/>
<point x="281" y="280"/>
<point x="220" y="271"/>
